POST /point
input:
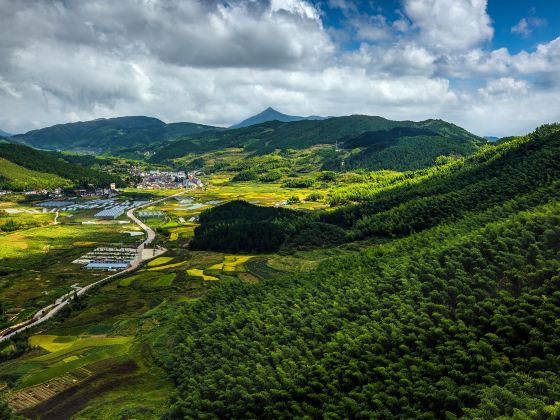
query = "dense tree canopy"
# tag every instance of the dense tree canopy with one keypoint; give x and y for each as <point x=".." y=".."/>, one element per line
<point x="456" y="317"/>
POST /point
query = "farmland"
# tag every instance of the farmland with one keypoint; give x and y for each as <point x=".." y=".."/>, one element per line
<point x="106" y="340"/>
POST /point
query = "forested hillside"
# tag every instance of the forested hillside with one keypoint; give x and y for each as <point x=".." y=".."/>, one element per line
<point x="524" y="167"/>
<point x="107" y="135"/>
<point x="455" y="318"/>
<point x="23" y="167"/>
<point x="404" y="144"/>
<point x="15" y="177"/>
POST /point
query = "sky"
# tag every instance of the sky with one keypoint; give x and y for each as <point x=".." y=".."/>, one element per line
<point x="492" y="66"/>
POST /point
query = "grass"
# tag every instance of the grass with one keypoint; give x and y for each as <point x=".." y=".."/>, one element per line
<point x="149" y="279"/>
<point x="64" y="354"/>
<point x="51" y="343"/>
<point x="165" y="280"/>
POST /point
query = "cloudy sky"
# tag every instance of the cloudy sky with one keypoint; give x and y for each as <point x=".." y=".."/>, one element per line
<point x="492" y="67"/>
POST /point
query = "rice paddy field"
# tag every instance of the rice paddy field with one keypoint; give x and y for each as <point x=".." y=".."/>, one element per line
<point x="101" y="357"/>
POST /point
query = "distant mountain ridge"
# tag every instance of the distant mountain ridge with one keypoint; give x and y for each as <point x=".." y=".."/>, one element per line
<point x="4" y="133"/>
<point x="108" y="135"/>
<point x="270" y="114"/>
<point x="385" y="144"/>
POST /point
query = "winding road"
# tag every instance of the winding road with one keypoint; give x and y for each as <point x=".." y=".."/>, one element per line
<point x="51" y="310"/>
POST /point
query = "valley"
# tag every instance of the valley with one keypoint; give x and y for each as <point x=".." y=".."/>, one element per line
<point x="279" y="209"/>
<point x="254" y="253"/>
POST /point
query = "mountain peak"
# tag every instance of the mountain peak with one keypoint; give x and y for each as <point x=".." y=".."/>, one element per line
<point x="271" y="114"/>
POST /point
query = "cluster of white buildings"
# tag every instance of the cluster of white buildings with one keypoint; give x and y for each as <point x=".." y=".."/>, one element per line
<point x="156" y="179"/>
<point x="111" y="259"/>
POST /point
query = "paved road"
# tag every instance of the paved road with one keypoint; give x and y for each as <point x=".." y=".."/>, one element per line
<point x="51" y="310"/>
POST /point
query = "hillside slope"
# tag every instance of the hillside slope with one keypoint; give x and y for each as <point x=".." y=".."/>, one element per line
<point x="413" y="203"/>
<point x="457" y="320"/>
<point x="107" y="135"/>
<point x="400" y="145"/>
<point x="19" y="178"/>
<point x="24" y="167"/>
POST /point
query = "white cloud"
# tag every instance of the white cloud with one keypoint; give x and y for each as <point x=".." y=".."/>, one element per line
<point x="400" y="59"/>
<point x="526" y="26"/>
<point x="450" y="24"/>
<point x="505" y="86"/>
<point x="217" y="63"/>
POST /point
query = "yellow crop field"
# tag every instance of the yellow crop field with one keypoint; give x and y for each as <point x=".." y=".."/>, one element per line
<point x="51" y="343"/>
<point x="231" y="263"/>
<point x="159" y="261"/>
<point x="195" y="272"/>
<point x="165" y="267"/>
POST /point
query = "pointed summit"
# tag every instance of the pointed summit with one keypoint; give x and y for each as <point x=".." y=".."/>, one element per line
<point x="270" y="114"/>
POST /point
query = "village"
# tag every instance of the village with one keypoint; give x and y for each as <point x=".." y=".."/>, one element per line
<point x="154" y="179"/>
<point x="157" y="179"/>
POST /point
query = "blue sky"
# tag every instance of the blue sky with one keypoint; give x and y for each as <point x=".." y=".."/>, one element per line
<point x="542" y="17"/>
<point x="489" y="66"/>
<point x="506" y="14"/>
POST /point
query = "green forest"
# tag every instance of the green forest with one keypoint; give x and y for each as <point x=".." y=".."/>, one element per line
<point x="454" y="317"/>
<point x="364" y="134"/>
<point x="22" y="167"/>
<point x="526" y="169"/>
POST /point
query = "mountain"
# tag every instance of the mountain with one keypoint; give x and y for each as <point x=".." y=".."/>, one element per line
<point x="271" y="114"/>
<point x="492" y="138"/>
<point x="450" y="312"/>
<point x="416" y="145"/>
<point x="4" y="134"/>
<point x="107" y="135"/>
<point x="22" y="168"/>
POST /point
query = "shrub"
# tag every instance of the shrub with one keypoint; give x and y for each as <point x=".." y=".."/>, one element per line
<point x="298" y="183"/>
<point x="315" y="196"/>
<point x="247" y="175"/>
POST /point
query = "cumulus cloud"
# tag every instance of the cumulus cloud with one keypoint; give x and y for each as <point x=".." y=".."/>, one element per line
<point x="217" y="62"/>
<point x="450" y="24"/>
<point x="504" y="86"/>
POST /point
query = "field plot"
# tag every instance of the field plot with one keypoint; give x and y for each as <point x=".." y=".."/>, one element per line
<point x="232" y="263"/>
<point x="196" y="272"/>
<point x="36" y="264"/>
<point x="35" y="395"/>
<point x="66" y="361"/>
<point x="159" y="261"/>
<point x="96" y="362"/>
